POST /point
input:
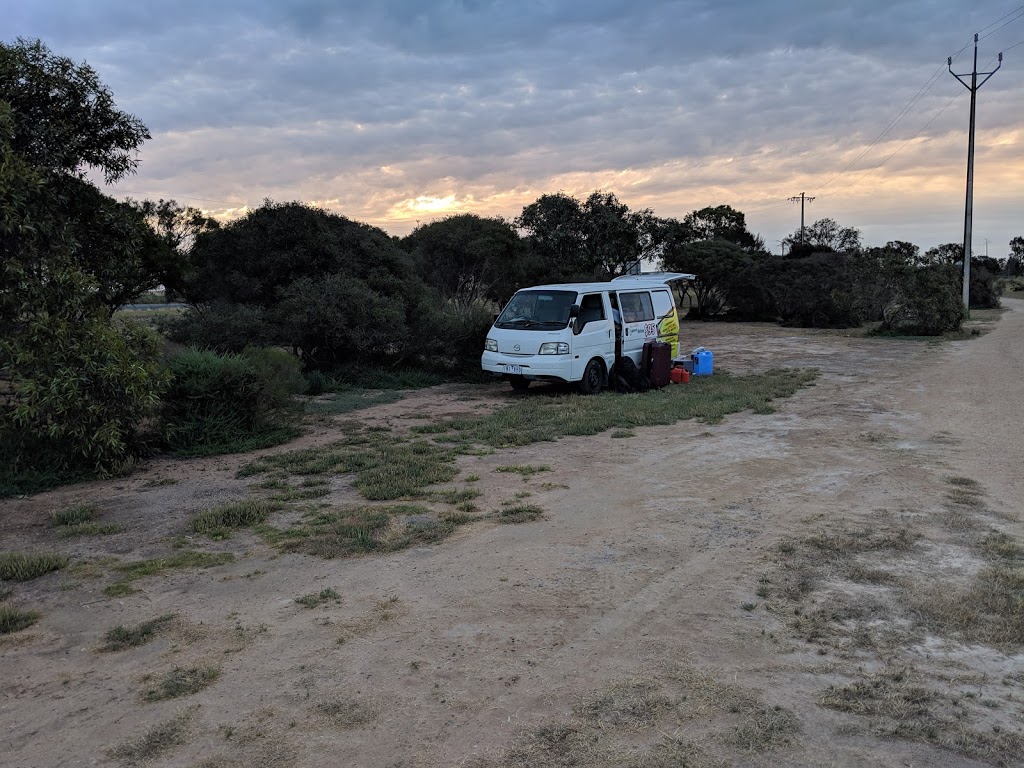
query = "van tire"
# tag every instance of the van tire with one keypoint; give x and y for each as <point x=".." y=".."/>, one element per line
<point x="519" y="384"/>
<point x="593" y="378"/>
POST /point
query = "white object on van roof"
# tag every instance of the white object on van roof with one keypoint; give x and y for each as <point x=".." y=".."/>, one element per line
<point x="654" y="277"/>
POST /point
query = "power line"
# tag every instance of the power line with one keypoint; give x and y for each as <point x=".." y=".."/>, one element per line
<point x="1015" y="18"/>
<point x="235" y="204"/>
<point x="1015" y="10"/>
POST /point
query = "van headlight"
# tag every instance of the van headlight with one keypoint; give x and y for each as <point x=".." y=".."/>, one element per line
<point x="490" y="345"/>
<point x="554" y="348"/>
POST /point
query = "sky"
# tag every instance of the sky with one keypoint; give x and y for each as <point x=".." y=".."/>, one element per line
<point x="400" y="112"/>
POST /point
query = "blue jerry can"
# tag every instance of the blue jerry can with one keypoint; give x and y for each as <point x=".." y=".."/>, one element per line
<point x="703" y="361"/>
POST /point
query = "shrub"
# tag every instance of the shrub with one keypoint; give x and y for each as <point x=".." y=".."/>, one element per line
<point x="927" y="302"/>
<point x="452" y="335"/>
<point x="216" y="401"/>
<point x="813" y="292"/>
<point x="75" y="400"/>
<point x="220" y="327"/>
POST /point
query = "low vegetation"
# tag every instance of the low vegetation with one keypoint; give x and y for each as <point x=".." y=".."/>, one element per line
<point x="15" y="620"/>
<point x="181" y="681"/>
<point x="217" y="522"/>
<point x="159" y="740"/>
<point x="121" y="638"/>
<point x="359" y="530"/>
<point x="139" y="569"/>
<point x="314" y="599"/>
<point x="25" y="566"/>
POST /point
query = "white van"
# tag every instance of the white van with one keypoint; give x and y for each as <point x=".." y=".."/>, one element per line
<point x="568" y="332"/>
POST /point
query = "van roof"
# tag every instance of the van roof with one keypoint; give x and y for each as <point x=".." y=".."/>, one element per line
<point x="648" y="280"/>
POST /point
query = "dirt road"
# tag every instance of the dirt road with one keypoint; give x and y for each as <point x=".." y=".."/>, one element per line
<point x="647" y="620"/>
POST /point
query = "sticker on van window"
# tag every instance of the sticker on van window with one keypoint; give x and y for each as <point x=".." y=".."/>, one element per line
<point x="650" y="330"/>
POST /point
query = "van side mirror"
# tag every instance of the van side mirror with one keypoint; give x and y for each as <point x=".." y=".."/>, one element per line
<point x="574" y="311"/>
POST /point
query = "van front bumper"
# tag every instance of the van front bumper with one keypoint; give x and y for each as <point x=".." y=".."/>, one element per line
<point x="532" y="367"/>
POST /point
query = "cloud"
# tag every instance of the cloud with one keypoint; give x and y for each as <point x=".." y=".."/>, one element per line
<point x="399" y="110"/>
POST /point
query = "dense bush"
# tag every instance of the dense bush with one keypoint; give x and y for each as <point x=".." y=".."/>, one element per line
<point x="927" y="302"/>
<point x="813" y="292"/>
<point x="218" y="403"/>
<point x="221" y="327"/>
<point x="452" y="334"/>
<point x="336" y="291"/>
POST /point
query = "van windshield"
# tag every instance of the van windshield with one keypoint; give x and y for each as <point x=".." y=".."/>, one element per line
<point x="537" y="310"/>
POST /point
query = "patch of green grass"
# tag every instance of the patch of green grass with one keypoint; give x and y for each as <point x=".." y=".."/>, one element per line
<point x="240" y="514"/>
<point x="526" y="470"/>
<point x="350" y="400"/>
<point x="386" y="467"/>
<point x="314" y="599"/>
<point x="91" y="529"/>
<point x="121" y="637"/>
<point x="25" y="566"/>
<point x="157" y="741"/>
<point x="350" y="531"/>
<point x="266" y="439"/>
<point x="454" y="496"/>
<point x="298" y="494"/>
<point x="472" y="478"/>
<point x="182" y="681"/>
<point x="519" y="513"/>
<point x="542" y="418"/>
<point x="14" y="620"/>
<point x="25" y="483"/>
<point x="142" y="568"/>
<point x="83" y="513"/>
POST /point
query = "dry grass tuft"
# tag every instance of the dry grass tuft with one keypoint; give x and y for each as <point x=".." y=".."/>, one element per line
<point x="121" y="637"/>
<point x="182" y="681"/>
<point x="346" y="713"/>
<point x="157" y="741"/>
<point x="625" y="704"/>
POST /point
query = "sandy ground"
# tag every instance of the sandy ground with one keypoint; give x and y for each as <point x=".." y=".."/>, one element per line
<point x="648" y="560"/>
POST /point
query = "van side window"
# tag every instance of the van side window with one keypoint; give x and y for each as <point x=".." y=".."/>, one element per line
<point x="636" y="307"/>
<point x="591" y="308"/>
<point x="662" y="303"/>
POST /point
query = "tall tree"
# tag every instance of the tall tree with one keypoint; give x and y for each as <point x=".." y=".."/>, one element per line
<point x="824" y="235"/>
<point x="722" y="222"/>
<point x="468" y="257"/>
<point x="556" y="234"/>
<point x="74" y="384"/>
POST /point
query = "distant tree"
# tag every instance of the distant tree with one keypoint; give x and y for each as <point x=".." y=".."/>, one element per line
<point x="947" y="253"/>
<point x="616" y="238"/>
<point x="1015" y="263"/>
<point x="823" y="236"/>
<point x="177" y="227"/>
<point x="467" y="257"/>
<point x="718" y="264"/>
<point x="722" y="222"/>
<point x="555" y="231"/>
<point x="336" y="291"/>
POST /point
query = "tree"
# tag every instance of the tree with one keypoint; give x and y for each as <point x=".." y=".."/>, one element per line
<point x="64" y="118"/>
<point x="556" y="235"/>
<point x="73" y="384"/>
<point x="335" y="290"/>
<point x="616" y="239"/>
<point x="468" y="258"/>
<point x="947" y="253"/>
<point x="718" y="265"/>
<point x="722" y="222"/>
<point x="1015" y="262"/>
<point x="177" y="227"/>
<point x="823" y="236"/>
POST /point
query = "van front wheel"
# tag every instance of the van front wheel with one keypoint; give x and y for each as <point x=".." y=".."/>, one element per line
<point x="593" y="378"/>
